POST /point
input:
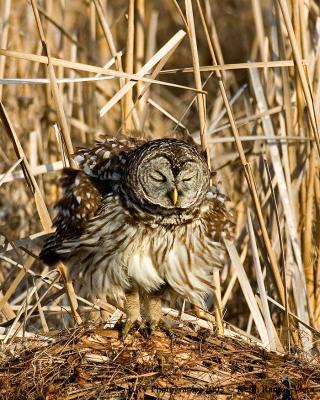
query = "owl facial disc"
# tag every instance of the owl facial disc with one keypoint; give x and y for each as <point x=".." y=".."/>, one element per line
<point x="171" y="176"/>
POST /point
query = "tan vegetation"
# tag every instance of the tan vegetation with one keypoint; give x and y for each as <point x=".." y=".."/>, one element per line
<point x="243" y="78"/>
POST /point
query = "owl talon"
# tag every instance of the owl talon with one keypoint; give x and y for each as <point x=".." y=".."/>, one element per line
<point x="166" y="329"/>
<point x="153" y="325"/>
<point x="125" y="328"/>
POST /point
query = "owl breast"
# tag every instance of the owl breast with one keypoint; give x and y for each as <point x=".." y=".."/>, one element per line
<point x="116" y="255"/>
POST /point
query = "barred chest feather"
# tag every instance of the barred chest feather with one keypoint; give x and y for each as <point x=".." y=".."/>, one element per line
<point x="116" y="254"/>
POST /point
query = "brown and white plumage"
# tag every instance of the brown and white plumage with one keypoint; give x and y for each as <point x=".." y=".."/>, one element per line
<point x="139" y="220"/>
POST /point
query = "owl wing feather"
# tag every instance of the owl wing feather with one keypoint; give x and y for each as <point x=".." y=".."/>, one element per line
<point x="81" y="201"/>
<point x="83" y="190"/>
<point x="106" y="159"/>
<point x="217" y="217"/>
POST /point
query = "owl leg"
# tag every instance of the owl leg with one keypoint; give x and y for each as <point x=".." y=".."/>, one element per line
<point x="151" y="310"/>
<point x="152" y="314"/>
<point x="132" y="309"/>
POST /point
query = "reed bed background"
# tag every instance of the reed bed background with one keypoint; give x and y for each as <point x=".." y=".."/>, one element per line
<point x="242" y="78"/>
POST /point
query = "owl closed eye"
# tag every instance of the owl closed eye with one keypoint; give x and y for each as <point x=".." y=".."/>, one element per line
<point x="177" y="177"/>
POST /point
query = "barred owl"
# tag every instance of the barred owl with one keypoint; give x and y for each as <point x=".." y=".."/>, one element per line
<point x="138" y="223"/>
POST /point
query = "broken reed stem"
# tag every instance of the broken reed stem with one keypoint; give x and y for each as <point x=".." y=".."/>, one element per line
<point x="246" y="166"/>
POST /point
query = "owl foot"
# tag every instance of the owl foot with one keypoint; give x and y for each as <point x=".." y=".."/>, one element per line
<point x="127" y="326"/>
<point x="151" y="326"/>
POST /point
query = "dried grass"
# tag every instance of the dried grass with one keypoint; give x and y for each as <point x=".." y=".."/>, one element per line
<point x="243" y="78"/>
<point x="90" y="362"/>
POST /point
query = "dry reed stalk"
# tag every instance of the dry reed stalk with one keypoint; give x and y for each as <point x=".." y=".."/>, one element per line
<point x="285" y="198"/>
<point x="281" y="94"/>
<point x="7" y="310"/>
<point x="14" y="284"/>
<point x="317" y="258"/>
<point x="261" y="36"/>
<point x="233" y="278"/>
<point x="247" y="292"/>
<point x="113" y="73"/>
<point x="12" y="175"/>
<point x="107" y="34"/>
<point x="166" y="49"/>
<point x="72" y="298"/>
<point x="6" y="176"/>
<point x="16" y="325"/>
<point x="55" y="285"/>
<point x="226" y="67"/>
<point x="129" y="66"/>
<point x="282" y="255"/>
<point x="44" y="324"/>
<point x="37" y="304"/>
<point x="308" y="228"/>
<point x="4" y="29"/>
<point x="154" y="74"/>
<point x="298" y="91"/>
<point x="304" y="81"/>
<point x="112" y="48"/>
<point x="248" y="174"/>
<point x="201" y="103"/>
<point x="166" y="113"/>
<point x="55" y="89"/>
<point x="40" y="204"/>
<point x="150" y="49"/>
<point x="214" y="36"/>
<point x="252" y="118"/>
<point x="59" y="27"/>
<point x="262" y="290"/>
<point x="32" y="183"/>
<point x="139" y="45"/>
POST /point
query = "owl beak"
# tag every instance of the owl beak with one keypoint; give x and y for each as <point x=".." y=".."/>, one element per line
<point x="174" y="196"/>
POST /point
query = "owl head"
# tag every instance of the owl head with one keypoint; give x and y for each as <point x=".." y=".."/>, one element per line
<point x="165" y="175"/>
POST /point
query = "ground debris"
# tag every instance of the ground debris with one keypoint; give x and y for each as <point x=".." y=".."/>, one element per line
<point x="89" y="362"/>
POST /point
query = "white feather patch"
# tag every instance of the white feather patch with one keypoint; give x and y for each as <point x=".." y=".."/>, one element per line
<point x="142" y="270"/>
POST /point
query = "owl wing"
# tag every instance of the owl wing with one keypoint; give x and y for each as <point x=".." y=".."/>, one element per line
<point x="106" y="160"/>
<point x="83" y="190"/>
<point x="81" y="201"/>
<point x="217" y="218"/>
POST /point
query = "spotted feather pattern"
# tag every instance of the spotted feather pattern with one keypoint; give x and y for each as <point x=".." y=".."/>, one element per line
<point x="106" y="159"/>
<point x="112" y="244"/>
<point x="80" y="202"/>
